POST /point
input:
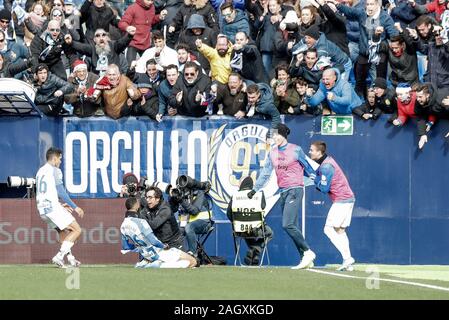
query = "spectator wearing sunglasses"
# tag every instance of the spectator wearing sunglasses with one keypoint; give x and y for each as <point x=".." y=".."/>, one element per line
<point x="189" y="94"/>
<point x="5" y="19"/>
<point x="47" y="48"/>
<point x="103" y="51"/>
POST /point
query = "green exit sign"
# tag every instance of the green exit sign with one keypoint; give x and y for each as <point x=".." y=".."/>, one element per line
<point x="337" y="125"/>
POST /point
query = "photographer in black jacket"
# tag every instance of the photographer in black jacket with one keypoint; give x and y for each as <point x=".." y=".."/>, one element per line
<point x="193" y="207"/>
<point x="161" y="219"/>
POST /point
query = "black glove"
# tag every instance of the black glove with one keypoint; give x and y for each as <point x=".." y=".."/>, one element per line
<point x="251" y="194"/>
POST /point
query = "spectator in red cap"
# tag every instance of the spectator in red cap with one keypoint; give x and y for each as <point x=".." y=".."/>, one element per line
<point x="82" y="81"/>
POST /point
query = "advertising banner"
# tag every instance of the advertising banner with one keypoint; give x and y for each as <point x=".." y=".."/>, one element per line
<point x="222" y="150"/>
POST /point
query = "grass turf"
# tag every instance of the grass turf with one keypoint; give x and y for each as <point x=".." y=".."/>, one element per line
<point x="217" y="283"/>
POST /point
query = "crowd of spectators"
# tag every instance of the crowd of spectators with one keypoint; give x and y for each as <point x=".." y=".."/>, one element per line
<point x="162" y="58"/>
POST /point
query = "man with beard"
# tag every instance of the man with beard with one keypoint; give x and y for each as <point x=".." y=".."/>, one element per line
<point x="103" y="51"/>
<point x="47" y="48"/>
<point x="232" y="97"/>
<point x="197" y="29"/>
<point x="219" y="58"/>
<point x="164" y="92"/>
<point x="185" y="55"/>
<point x="246" y="59"/>
<point x="189" y="92"/>
<point x="118" y="93"/>
<point x="50" y="91"/>
<point x="431" y="101"/>
<point x="407" y="109"/>
<point x="82" y="80"/>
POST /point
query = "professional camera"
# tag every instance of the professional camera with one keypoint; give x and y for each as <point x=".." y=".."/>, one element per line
<point x="15" y="181"/>
<point x="165" y="187"/>
<point x="132" y="184"/>
<point x="185" y="186"/>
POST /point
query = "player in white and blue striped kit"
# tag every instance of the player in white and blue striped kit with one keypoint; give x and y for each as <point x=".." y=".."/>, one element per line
<point x="137" y="236"/>
<point x="49" y="190"/>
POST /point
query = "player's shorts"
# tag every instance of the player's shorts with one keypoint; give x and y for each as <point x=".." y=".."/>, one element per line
<point x="59" y="218"/>
<point x="340" y="214"/>
<point x="170" y="255"/>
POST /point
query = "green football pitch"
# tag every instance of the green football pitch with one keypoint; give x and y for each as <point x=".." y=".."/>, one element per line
<point x="223" y="283"/>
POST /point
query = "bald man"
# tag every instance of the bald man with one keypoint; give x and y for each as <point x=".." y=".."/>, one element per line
<point x="118" y="93"/>
<point x="336" y="91"/>
<point x="48" y="49"/>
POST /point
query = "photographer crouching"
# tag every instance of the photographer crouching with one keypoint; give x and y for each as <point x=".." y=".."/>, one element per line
<point x="191" y="199"/>
<point x="157" y="212"/>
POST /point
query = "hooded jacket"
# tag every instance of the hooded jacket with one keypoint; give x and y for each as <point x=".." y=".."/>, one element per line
<point x="265" y="105"/>
<point x="345" y="98"/>
<point x="240" y="23"/>
<point x="143" y="18"/>
<point x="201" y="7"/>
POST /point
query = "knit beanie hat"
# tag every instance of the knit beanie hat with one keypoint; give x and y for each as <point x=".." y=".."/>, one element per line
<point x="380" y="83"/>
<point x="313" y="32"/>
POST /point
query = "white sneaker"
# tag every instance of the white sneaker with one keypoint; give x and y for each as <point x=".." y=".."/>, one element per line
<point x="58" y="261"/>
<point x="307" y="260"/>
<point x="347" y="265"/>
<point x="141" y="264"/>
<point x="73" y="262"/>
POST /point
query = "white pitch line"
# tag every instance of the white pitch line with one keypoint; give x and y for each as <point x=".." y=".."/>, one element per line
<point x="429" y="286"/>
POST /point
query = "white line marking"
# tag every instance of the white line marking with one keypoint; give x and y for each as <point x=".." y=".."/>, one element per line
<point x="429" y="286"/>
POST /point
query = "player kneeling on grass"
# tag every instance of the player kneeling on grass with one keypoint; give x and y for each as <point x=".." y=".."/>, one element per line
<point x="137" y="236"/>
<point x="49" y="188"/>
<point x="330" y="179"/>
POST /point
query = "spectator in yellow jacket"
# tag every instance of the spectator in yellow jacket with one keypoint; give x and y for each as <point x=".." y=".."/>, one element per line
<point x="219" y="58"/>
